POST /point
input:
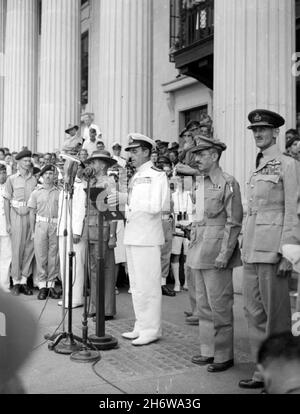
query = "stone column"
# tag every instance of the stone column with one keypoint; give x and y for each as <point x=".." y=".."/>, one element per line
<point x="20" y="74"/>
<point x="59" y="71"/>
<point x="122" y="98"/>
<point x="254" y="43"/>
<point x="2" y="71"/>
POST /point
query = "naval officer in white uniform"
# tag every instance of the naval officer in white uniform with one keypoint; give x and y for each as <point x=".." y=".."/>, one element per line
<point x="148" y="196"/>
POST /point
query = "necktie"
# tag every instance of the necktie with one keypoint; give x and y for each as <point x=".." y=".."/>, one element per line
<point x="260" y="155"/>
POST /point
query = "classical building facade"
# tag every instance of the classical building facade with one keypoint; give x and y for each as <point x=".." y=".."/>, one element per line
<point x="147" y="66"/>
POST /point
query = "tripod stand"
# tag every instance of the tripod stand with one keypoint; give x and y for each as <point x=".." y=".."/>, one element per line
<point x="65" y="342"/>
<point x="85" y="354"/>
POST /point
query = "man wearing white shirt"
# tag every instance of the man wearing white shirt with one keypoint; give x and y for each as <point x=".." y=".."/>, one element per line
<point x="117" y="148"/>
<point x="5" y="242"/>
<point x="88" y="119"/>
<point x="91" y="144"/>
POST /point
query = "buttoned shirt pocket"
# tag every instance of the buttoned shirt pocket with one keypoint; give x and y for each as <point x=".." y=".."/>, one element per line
<point x="265" y="184"/>
<point x="214" y="202"/>
<point x="268" y="231"/>
<point x="212" y="242"/>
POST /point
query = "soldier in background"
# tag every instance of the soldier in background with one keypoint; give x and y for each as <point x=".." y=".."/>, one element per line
<point x="43" y="204"/>
<point x="5" y="241"/>
<point x="18" y="189"/>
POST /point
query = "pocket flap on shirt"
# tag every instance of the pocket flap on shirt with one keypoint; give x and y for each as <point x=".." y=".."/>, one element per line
<point x="274" y="178"/>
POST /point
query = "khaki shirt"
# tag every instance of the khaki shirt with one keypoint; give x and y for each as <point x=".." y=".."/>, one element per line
<point x="19" y="188"/>
<point x="216" y="236"/>
<point x="45" y="202"/>
<point x="272" y="205"/>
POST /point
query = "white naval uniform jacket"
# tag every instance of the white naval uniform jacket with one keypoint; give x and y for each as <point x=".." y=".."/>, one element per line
<point x="148" y="197"/>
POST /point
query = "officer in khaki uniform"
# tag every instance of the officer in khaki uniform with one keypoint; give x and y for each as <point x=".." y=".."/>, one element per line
<point x="43" y="204"/>
<point x="271" y="217"/>
<point x="18" y="189"/>
<point x="213" y="253"/>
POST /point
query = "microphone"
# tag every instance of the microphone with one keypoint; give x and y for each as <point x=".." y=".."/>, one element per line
<point x="89" y="172"/>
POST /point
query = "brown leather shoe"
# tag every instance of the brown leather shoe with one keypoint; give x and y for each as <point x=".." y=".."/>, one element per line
<point x="220" y="366"/>
<point x="53" y="294"/>
<point x="202" y="360"/>
<point x="16" y="290"/>
<point x="167" y="291"/>
<point x="251" y="384"/>
<point x="43" y="294"/>
<point x="192" y="320"/>
<point x="26" y="290"/>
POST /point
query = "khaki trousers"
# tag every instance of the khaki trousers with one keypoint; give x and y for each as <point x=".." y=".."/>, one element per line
<point x="214" y="296"/>
<point x="267" y="304"/>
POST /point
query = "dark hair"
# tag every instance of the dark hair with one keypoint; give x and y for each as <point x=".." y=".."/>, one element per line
<point x="192" y="124"/>
<point x="93" y="130"/>
<point x="147" y="147"/>
<point x="2" y="150"/>
<point x="292" y="131"/>
<point x="2" y="167"/>
<point x="283" y="345"/>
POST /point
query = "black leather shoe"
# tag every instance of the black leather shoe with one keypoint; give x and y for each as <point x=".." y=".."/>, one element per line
<point x="188" y="313"/>
<point x="220" y="366"/>
<point x="53" y="294"/>
<point x="91" y="314"/>
<point x="192" y="320"/>
<point x="202" y="360"/>
<point x="43" y="294"/>
<point x="167" y="292"/>
<point x="251" y="384"/>
<point x="26" y="290"/>
<point x="16" y="290"/>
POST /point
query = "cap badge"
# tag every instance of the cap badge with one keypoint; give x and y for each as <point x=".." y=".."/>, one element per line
<point x="130" y="142"/>
<point x="257" y="118"/>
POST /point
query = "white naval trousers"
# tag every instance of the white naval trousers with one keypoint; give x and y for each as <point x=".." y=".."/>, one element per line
<point x="5" y="261"/>
<point x="144" y="269"/>
<point x="78" y="269"/>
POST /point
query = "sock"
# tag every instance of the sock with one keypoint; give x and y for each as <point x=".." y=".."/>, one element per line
<point x="175" y="270"/>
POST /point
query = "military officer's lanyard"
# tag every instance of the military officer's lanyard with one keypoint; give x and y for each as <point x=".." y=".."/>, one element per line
<point x="182" y="201"/>
<point x="199" y="193"/>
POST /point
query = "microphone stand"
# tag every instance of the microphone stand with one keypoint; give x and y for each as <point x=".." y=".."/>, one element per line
<point x="52" y="337"/>
<point x="85" y="354"/>
<point x="100" y="340"/>
<point x="66" y="343"/>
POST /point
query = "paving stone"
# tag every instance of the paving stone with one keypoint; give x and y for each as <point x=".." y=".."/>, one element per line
<point x="169" y="356"/>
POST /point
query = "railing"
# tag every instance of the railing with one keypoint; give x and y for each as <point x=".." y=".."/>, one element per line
<point x="190" y="22"/>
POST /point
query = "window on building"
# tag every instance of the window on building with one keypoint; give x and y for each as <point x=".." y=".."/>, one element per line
<point x="84" y="69"/>
<point x="194" y="114"/>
